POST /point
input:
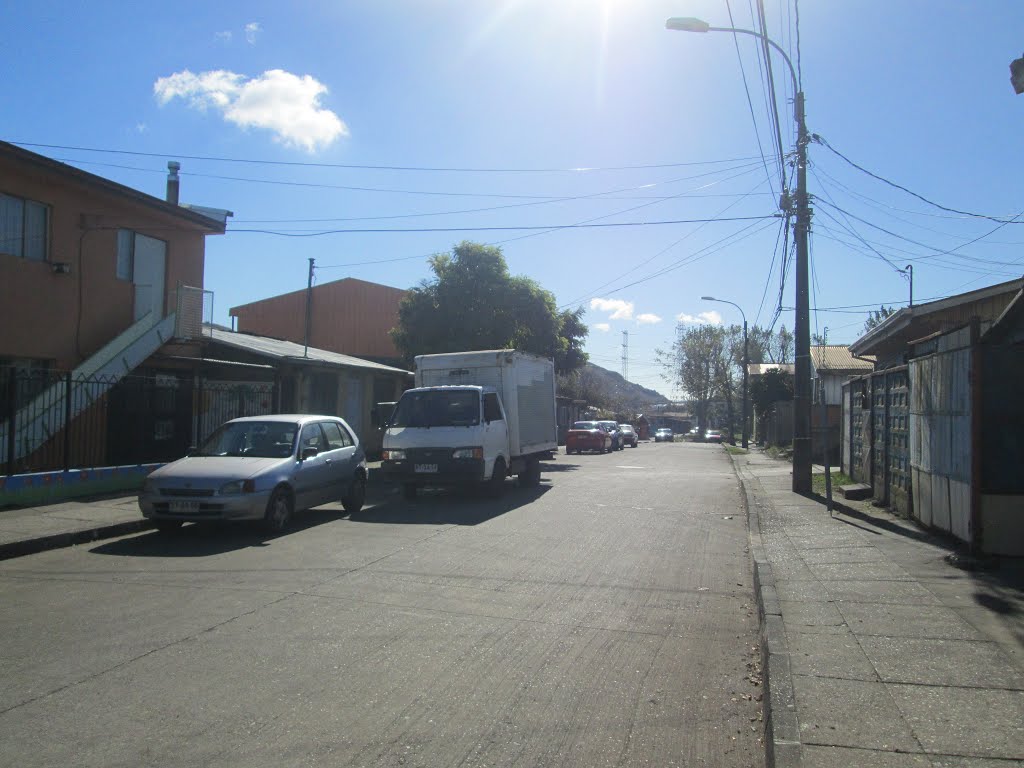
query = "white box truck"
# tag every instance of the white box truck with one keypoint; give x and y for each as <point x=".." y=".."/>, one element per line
<point x="472" y="418"/>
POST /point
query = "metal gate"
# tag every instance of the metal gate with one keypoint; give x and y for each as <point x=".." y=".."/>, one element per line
<point x="897" y="385"/>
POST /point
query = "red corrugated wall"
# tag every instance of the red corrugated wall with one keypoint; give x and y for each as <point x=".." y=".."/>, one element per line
<point x="349" y="316"/>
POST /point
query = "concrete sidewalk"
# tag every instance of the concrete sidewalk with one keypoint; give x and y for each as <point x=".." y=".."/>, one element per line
<point x="26" y="530"/>
<point x="877" y="650"/>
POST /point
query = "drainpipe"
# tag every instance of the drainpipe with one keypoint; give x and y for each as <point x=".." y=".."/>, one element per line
<point x="173" y="183"/>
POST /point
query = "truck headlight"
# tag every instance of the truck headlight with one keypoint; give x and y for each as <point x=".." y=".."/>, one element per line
<point x="394" y="455"/>
<point x="468" y="453"/>
<point x="236" y="487"/>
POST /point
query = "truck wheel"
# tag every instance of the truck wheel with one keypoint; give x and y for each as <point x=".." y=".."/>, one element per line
<point x="409" y="492"/>
<point x="496" y="485"/>
<point x="530" y="477"/>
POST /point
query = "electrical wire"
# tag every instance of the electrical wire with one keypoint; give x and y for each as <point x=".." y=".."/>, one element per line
<point x="549" y="227"/>
<point x="662" y="251"/>
<point x="820" y="140"/>
<point x="353" y="166"/>
<point x="750" y="104"/>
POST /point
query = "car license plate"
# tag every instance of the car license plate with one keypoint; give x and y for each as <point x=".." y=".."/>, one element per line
<point x="425" y="467"/>
<point x="184" y="507"/>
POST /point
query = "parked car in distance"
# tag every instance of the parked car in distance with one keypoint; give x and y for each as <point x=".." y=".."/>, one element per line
<point x="587" y="436"/>
<point x="628" y="435"/>
<point x="260" y="468"/>
<point x="712" y="436"/>
<point x="612" y="428"/>
<point x="663" y="435"/>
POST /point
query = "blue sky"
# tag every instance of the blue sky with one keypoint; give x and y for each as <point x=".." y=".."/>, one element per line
<point x="514" y="94"/>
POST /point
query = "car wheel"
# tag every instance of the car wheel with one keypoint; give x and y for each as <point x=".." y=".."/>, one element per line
<point x="496" y="485"/>
<point x="409" y="492"/>
<point x="530" y="477"/>
<point x="168" y="526"/>
<point x="279" y="511"/>
<point x="356" y="495"/>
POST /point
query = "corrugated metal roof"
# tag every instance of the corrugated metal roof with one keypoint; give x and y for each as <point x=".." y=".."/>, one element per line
<point x="287" y="350"/>
<point x="838" y="357"/>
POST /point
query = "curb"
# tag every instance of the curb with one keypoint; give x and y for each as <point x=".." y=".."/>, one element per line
<point x="60" y="540"/>
<point x="781" y="727"/>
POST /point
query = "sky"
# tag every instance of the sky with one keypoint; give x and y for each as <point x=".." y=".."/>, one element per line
<point x="626" y="168"/>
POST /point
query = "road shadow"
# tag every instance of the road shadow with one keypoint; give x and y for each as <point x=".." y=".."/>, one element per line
<point x="454" y="506"/>
<point x="564" y="464"/>
<point x="208" y="539"/>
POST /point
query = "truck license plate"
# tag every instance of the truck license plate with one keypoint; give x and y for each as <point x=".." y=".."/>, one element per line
<point x="184" y="507"/>
<point x="426" y="467"/>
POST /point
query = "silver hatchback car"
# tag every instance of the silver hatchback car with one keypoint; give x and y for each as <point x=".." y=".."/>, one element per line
<point x="260" y="468"/>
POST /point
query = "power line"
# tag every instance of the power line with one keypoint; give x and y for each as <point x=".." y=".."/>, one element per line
<point x="354" y="166"/>
<point x="750" y="104"/>
<point x="551" y="227"/>
<point x="666" y="249"/>
<point x="816" y="138"/>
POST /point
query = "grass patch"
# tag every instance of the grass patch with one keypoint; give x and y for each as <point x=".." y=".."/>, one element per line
<point x="838" y="478"/>
<point x="735" y="450"/>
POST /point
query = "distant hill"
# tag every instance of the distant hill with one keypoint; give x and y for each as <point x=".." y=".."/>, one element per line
<point x="631" y="395"/>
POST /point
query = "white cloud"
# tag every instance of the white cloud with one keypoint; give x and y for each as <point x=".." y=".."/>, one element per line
<point x="621" y="310"/>
<point x="223" y="37"/>
<point x="285" y="104"/>
<point x="710" y="317"/>
<point x="252" y="31"/>
<point x="648" y="318"/>
<point x="603" y="327"/>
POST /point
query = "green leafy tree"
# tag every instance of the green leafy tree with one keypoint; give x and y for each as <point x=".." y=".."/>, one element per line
<point x="473" y="302"/>
<point x="877" y="316"/>
<point x="771" y="387"/>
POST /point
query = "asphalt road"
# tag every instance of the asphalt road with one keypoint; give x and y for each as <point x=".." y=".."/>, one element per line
<point x="606" y="618"/>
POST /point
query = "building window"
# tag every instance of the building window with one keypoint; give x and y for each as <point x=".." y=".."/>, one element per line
<point x="125" y="254"/>
<point x="24" y="228"/>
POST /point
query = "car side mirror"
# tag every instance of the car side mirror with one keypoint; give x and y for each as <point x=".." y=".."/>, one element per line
<point x="309" y="453"/>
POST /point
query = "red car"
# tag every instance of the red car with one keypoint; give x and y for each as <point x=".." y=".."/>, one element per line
<point x="587" y="436"/>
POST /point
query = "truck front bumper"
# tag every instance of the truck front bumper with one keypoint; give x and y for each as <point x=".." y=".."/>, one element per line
<point x="434" y="471"/>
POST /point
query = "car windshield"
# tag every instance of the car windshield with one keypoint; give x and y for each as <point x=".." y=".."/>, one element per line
<point x="260" y="439"/>
<point x="585" y="425"/>
<point x="438" y="408"/>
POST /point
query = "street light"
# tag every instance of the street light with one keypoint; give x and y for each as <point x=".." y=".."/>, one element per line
<point x="746" y="359"/>
<point x="802" y="324"/>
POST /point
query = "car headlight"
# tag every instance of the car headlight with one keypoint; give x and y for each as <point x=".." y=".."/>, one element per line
<point x="394" y="455"/>
<point x="236" y="487"/>
<point x="468" y="453"/>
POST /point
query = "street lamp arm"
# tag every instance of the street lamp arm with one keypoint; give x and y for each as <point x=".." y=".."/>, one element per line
<point x="731" y="303"/>
<point x="695" y="25"/>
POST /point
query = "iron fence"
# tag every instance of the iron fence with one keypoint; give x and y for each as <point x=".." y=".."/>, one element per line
<point x="54" y="420"/>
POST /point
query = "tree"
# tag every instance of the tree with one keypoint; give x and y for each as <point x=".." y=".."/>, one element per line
<point x="694" y="365"/>
<point x="474" y="303"/>
<point x="771" y="387"/>
<point x="877" y="316"/>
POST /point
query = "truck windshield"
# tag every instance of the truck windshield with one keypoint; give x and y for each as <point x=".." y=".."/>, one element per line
<point x="438" y="408"/>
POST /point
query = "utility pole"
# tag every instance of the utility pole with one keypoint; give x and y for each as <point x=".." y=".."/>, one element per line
<point x="625" y="355"/>
<point x="910" y="273"/>
<point x="802" y="325"/>
<point x="309" y="307"/>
